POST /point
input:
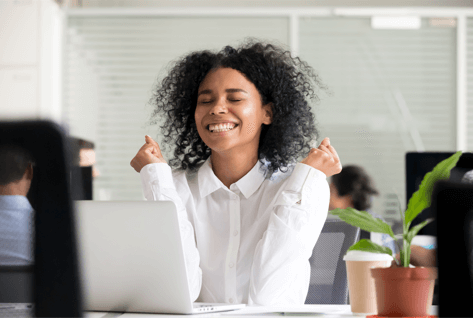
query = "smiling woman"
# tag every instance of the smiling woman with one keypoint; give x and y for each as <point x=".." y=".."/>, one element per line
<point x="283" y="83"/>
<point x="250" y="214"/>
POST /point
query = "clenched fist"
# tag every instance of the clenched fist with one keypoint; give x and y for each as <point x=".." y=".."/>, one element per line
<point x="149" y="153"/>
<point x="324" y="158"/>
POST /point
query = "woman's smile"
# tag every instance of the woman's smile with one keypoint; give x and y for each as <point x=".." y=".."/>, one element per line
<point x="222" y="127"/>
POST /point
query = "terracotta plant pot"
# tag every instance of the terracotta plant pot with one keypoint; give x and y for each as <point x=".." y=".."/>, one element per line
<point x="404" y="292"/>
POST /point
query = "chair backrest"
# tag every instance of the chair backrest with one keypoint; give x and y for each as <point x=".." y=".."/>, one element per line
<point x="328" y="278"/>
<point x="56" y="284"/>
<point x="16" y="284"/>
<point x="452" y="205"/>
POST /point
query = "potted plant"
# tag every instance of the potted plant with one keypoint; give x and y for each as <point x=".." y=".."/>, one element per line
<point x="402" y="291"/>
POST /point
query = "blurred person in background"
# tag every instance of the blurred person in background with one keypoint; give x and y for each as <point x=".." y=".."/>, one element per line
<point x="84" y="170"/>
<point x="16" y="213"/>
<point x="354" y="188"/>
<point x="86" y="150"/>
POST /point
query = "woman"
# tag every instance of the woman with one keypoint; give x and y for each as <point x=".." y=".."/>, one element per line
<point x="250" y="215"/>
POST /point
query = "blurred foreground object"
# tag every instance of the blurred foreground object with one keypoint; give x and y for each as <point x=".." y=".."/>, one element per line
<point x="56" y="287"/>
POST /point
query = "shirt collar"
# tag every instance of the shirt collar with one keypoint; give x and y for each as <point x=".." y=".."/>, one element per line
<point x="208" y="181"/>
<point x="251" y="181"/>
<point x="14" y="202"/>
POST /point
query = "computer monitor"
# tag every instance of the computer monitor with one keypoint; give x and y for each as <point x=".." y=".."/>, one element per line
<point x="452" y="205"/>
<point x="418" y="164"/>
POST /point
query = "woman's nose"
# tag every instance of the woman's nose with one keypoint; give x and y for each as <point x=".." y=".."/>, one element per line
<point x="220" y="107"/>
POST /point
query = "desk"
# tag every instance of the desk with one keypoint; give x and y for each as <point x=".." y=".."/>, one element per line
<point x="256" y="312"/>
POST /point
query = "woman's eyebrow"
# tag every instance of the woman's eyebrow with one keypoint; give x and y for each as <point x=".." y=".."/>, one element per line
<point x="229" y="90"/>
<point x="235" y="90"/>
<point x="205" y="91"/>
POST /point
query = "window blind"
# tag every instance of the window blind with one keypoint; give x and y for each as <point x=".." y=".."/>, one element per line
<point x="393" y="91"/>
<point x="111" y="67"/>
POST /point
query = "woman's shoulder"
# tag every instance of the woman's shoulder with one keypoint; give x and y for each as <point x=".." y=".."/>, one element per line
<point x="279" y="175"/>
<point x="187" y="175"/>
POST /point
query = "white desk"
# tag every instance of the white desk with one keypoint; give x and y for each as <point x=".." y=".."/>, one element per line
<point x="256" y="312"/>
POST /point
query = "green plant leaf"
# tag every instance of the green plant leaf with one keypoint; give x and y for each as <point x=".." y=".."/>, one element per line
<point x="414" y="230"/>
<point x="363" y="220"/>
<point x="421" y="199"/>
<point x="368" y="246"/>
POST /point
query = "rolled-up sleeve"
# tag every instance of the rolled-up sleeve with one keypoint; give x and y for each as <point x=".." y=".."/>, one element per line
<point x="280" y="271"/>
<point x="158" y="185"/>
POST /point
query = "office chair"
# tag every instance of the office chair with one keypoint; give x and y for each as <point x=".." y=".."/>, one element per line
<point x="452" y="205"/>
<point x="55" y="290"/>
<point x="328" y="278"/>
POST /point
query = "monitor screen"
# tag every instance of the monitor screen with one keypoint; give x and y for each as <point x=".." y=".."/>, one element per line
<point x="418" y="164"/>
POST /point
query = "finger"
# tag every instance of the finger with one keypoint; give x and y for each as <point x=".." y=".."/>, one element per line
<point x="151" y="141"/>
<point x="325" y="142"/>
<point x="325" y="149"/>
<point x="334" y="152"/>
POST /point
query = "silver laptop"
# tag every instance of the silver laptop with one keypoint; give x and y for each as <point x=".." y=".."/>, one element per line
<point x="132" y="260"/>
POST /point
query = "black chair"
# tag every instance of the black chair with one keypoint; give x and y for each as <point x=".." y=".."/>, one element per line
<point x="328" y="278"/>
<point x="56" y="286"/>
<point x="452" y="205"/>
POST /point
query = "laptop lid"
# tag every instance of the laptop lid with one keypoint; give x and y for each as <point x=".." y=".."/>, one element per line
<point x="131" y="257"/>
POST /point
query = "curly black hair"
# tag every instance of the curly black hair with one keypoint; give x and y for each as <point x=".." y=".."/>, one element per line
<point x="355" y="181"/>
<point x="286" y="82"/>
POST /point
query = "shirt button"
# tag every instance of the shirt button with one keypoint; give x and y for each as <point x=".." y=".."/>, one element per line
<point x="235" y="233"/>
<point x="231" y="300"/>
<point x="231" y="265"/>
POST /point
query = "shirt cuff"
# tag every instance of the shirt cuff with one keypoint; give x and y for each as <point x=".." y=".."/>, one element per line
<point x="301" y="185"/>
<point x="154" y="177"/>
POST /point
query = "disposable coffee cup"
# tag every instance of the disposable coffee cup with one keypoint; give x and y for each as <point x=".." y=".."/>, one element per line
<point x="361" y="286"/>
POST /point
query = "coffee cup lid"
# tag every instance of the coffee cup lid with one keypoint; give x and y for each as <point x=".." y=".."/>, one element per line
<point x="366" y="256"/>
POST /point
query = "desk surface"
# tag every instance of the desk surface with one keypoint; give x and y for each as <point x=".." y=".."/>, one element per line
<point x="256" y="312"/>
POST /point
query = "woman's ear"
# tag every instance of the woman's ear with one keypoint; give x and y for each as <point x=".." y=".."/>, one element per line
<point x="268" y="114"/>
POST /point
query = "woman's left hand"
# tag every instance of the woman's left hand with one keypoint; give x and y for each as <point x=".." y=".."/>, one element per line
<point x="324" y="158"/>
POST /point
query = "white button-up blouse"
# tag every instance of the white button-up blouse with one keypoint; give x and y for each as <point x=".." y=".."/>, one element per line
<point x="250" y="243"/>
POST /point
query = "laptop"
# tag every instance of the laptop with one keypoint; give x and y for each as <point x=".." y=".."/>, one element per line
<point x="131" y="259"/>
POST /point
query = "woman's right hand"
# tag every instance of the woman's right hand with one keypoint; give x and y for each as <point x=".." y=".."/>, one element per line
<point x="149" y="153"/>
<point x="324" y="158"/>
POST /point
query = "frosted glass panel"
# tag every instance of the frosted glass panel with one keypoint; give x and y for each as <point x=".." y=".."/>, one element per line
<point x="469" y="61"/>
<point x="112" y="65"/>
<point x="393" y="91"/>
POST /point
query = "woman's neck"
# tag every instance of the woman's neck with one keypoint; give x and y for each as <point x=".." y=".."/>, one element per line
<point x="229" y="167"/>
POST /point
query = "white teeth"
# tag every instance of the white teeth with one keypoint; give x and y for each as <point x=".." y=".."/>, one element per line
<point x="221" y="127"/>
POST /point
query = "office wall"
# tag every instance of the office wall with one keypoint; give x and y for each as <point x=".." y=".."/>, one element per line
<point x="29" y="59"/>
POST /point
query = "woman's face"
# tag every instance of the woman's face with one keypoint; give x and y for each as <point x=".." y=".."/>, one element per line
<point x="229" y="111"/>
